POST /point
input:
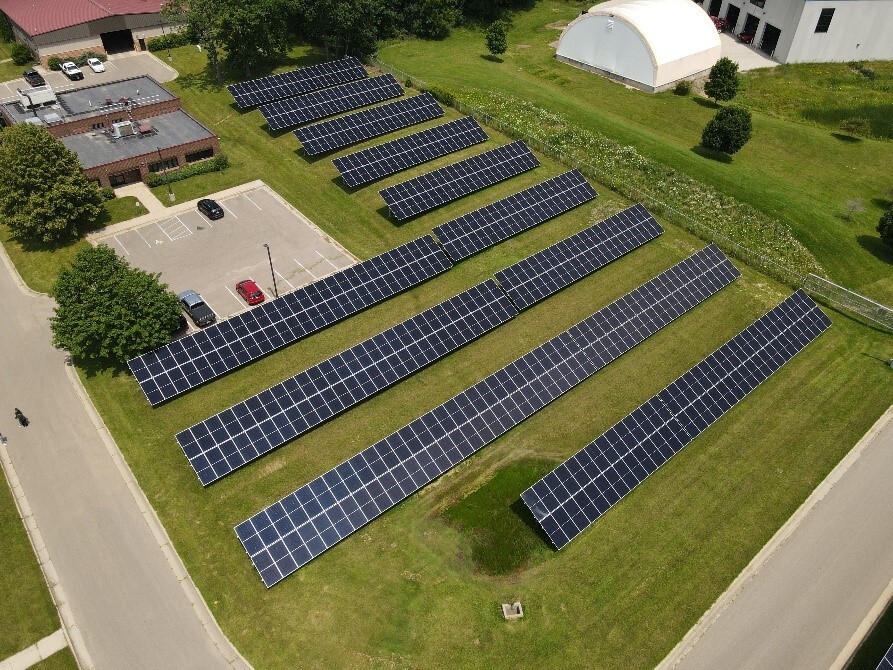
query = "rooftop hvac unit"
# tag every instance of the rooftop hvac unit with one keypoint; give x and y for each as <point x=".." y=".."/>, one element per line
<point x="34" y="97"/>
<point x="122" y="129"/>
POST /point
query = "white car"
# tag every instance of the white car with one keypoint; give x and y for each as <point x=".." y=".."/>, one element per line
<point x="72" y="71"/>
<point x="96" y="65"/>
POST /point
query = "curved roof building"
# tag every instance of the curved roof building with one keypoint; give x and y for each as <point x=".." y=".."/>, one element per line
<point x="650" y="44"/>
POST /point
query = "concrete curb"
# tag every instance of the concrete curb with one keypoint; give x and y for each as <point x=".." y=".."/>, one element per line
<point x="17" y="278"/>
<point x="230" y="654"/>
<point x="868" y="623"/>
<point x="681" y="650"/>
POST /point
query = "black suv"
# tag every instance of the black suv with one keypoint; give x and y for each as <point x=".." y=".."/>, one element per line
<point x="33" y="78"/>
<point x="210" y="209"/>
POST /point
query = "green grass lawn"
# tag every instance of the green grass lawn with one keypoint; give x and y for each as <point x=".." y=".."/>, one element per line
<point x="27" y="613"/>
<point x="800" y="174"/>
<point x="8" y="69"/>
<point x="406" y="590"/>
<point x="61" y="660"/>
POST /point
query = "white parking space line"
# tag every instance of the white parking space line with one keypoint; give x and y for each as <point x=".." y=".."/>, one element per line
<point x="245" y="195"/>
<point x="174" y="231"/>
<point x="121" y="245"/>
<point x="326" y="259"/>
<point x="235" y="297"/>
<point x="284" y="279"/>
<point x="229" y="210"/>
<point x="143" y="238"/>
<point x="304" y="269"/>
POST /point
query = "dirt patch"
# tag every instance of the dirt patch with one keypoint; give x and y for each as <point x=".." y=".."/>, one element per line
<point x="523" y="46"/>
<point x="554" y="44"/>
<point x="557" y="25"/>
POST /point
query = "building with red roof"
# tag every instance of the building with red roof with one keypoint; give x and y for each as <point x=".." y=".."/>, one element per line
<point x="68" y="28"/>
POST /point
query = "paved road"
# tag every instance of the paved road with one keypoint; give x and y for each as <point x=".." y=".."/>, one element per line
<point x="802" y="607"/>
<point x="123" y="592"/>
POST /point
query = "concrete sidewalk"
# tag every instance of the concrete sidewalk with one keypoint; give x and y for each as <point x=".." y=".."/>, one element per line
<point x="36" y="652"/>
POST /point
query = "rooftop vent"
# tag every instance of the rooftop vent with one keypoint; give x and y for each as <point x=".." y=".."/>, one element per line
<point x="122" y="129"/>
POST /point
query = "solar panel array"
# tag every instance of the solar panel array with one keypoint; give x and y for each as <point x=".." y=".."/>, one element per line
<point x="498" y="221"/>
<point x="359" y="126"/>
<point x="576" y="493"/>
<point x="402" y="153"/>
<point x="887" y="661"/>
<point x="217" y="446"/>
<point x="457" y="180"/>
<point x="294" y="530"/>
<point x="192" y="360"/>
<point x="296" y="82"/>
<point x="330" y="101"/>
<point x="550" y="270"/>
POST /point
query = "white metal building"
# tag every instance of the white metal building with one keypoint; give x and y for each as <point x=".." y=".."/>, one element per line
<point x="812" y="31"/>
<point x="649" y="44"/>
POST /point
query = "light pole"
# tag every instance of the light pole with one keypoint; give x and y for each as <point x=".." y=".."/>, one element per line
<point x="170" y="191"/>
<point x="272" y="274"/>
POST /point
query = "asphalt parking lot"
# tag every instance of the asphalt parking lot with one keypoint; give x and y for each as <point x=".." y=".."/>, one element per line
<point x="211" y="257"/>
<point x="118" y="66"/>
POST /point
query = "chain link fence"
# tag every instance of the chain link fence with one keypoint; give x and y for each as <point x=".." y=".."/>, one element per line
<point x="838" y="297"/>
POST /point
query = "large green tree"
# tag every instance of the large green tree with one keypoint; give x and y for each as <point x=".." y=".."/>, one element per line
<point x="252" y="32"/>
<point x="204" y="20"/>
<point x="885" y="227"/>
<point x="723" y="82"/>
<point x="429" y="19"/>
<point x="345" y="26"/>
<point x="728" y="131"/>
<point x="44" y="194"/>
<point x="109" y="311"/>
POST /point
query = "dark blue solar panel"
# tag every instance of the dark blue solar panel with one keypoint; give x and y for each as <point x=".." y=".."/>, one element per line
<point x="296" y="82"/>
<point x="887" y="661"/>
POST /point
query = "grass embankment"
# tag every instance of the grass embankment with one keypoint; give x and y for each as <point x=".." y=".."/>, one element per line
<point x="799" y="174"/>
<point x="27" y="613"/>
<point x="39" y="264"/>
<point x="403" y="591"/>
<point x="8" y="69"/>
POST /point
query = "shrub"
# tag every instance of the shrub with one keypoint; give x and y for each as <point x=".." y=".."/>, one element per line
<point x="107" y="193"/>
<point x="6" y="35"/>
<point x="682" y="87"/>
<point x="495" y="38"/>
<point x="21" y="55"/>
<point x="81" y="60"/>
<point x="169" y="41"/>
<point x="723" y="82"/>
<point x="885" y="227"/>
<point x="218" y="163"/>
<point x="728" y="131"/>
<point x="54" y="63"/>
<point x="856" y="126"/>
<point x="443" y="96"/>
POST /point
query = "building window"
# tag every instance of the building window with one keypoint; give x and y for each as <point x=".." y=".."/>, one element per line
<point x="199" y="155"/>
<point x="160" y="166"/>
<point x="758" y="3"/>
<point x="97" y="126"/>
<point x="824" y="20"/>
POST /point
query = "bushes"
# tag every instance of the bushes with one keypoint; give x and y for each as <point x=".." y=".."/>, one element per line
<point x="107" y="193"/>
<point x="6" y="35"/>
<point x="169" y="41"/>
<point x="682" y="87"/>
<point x="21" y="55"/>
<point x="728" y="131"/>
<point x="443" y="96"/>
<point x="55" y="62"/>
<point x="217" y="164"/>
<point x="856" y="126"/>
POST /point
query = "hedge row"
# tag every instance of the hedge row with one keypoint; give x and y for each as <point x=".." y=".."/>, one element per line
<point x="169" y="41"/>
<point x="55" y="63"/>
<point x="218" y="163"/>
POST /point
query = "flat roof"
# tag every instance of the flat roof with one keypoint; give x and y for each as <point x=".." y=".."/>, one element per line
<point x="92" y="100"/>
<point x="168" y="130"/>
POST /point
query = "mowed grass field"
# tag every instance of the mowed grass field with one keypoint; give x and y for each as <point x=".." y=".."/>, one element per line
<point x="408" y="590"/>
<point x="800" y="174"/>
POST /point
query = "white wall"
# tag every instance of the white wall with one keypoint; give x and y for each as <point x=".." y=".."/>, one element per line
<point x="860" y="30"/>
<point x="608" y="44"/>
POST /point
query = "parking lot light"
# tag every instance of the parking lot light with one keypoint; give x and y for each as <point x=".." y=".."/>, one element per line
<point x="272" y="274"/>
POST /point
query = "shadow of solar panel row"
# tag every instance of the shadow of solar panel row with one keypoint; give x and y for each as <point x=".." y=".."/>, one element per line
<point x="192" y="360"/>
<point x="291" y="532"/>
<point x="576" y="493"/>
<point x="612" y="331"/>
<point x="402" y="153"/>
<point x="498" y="221"/>
<point x="360" y="126"/>
<point x="297" y="82"/>
<point x="887" y="661"/>
<point x="454" y="181"/>
<point x="330" y="101"/>
<point x="550" y="270"/>
<point x="217" y="446"/>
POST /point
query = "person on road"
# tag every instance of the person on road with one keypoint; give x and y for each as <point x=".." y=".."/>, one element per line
<point x="21" y="418"/>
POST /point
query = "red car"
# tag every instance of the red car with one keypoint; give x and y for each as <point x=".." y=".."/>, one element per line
<point x="250" y="292"/>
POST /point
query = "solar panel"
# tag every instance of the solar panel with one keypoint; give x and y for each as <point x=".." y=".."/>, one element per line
<point x="194" y="359"/>
<point x="580" y="490"/>
<point x="499" y="220"/>
<point x="217" y="446"/>
<point x="296" y="529"/>
<point x="550" y="270"/>
<point x="330" y="101"/>
<point x="391" y="157"/>
<point x="887" y="661"/>
<point x="457" y="180"/>
<point x="359" y="126"/>
<point x="296" y="82"/>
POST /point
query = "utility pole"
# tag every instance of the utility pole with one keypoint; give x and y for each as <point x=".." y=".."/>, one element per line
<point x="272" y="274"/>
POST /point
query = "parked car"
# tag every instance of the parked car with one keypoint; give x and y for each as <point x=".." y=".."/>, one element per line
<point x="250" y="292"/>
<point x="72" y="71"/>
<point x="33" y="78"/>
<point x="210" y="209"/>
<point x="96" y="65"/>
<point x="195" y="307"/>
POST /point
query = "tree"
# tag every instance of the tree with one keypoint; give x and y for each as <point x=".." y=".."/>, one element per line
<point x="496" y="38"/>
<point x="345" y="26"/>
<point x="429" y="19"/>
<point x="44" y="194"/>
<point x="885" y="227"/>
<point x="252" y="31"/>
<point x="109" y="311"/>
<point x="203" y="19"/>
<point x="854" y="206"/>
<point x="728" y="131"/>
<point x="723" y="82"/>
